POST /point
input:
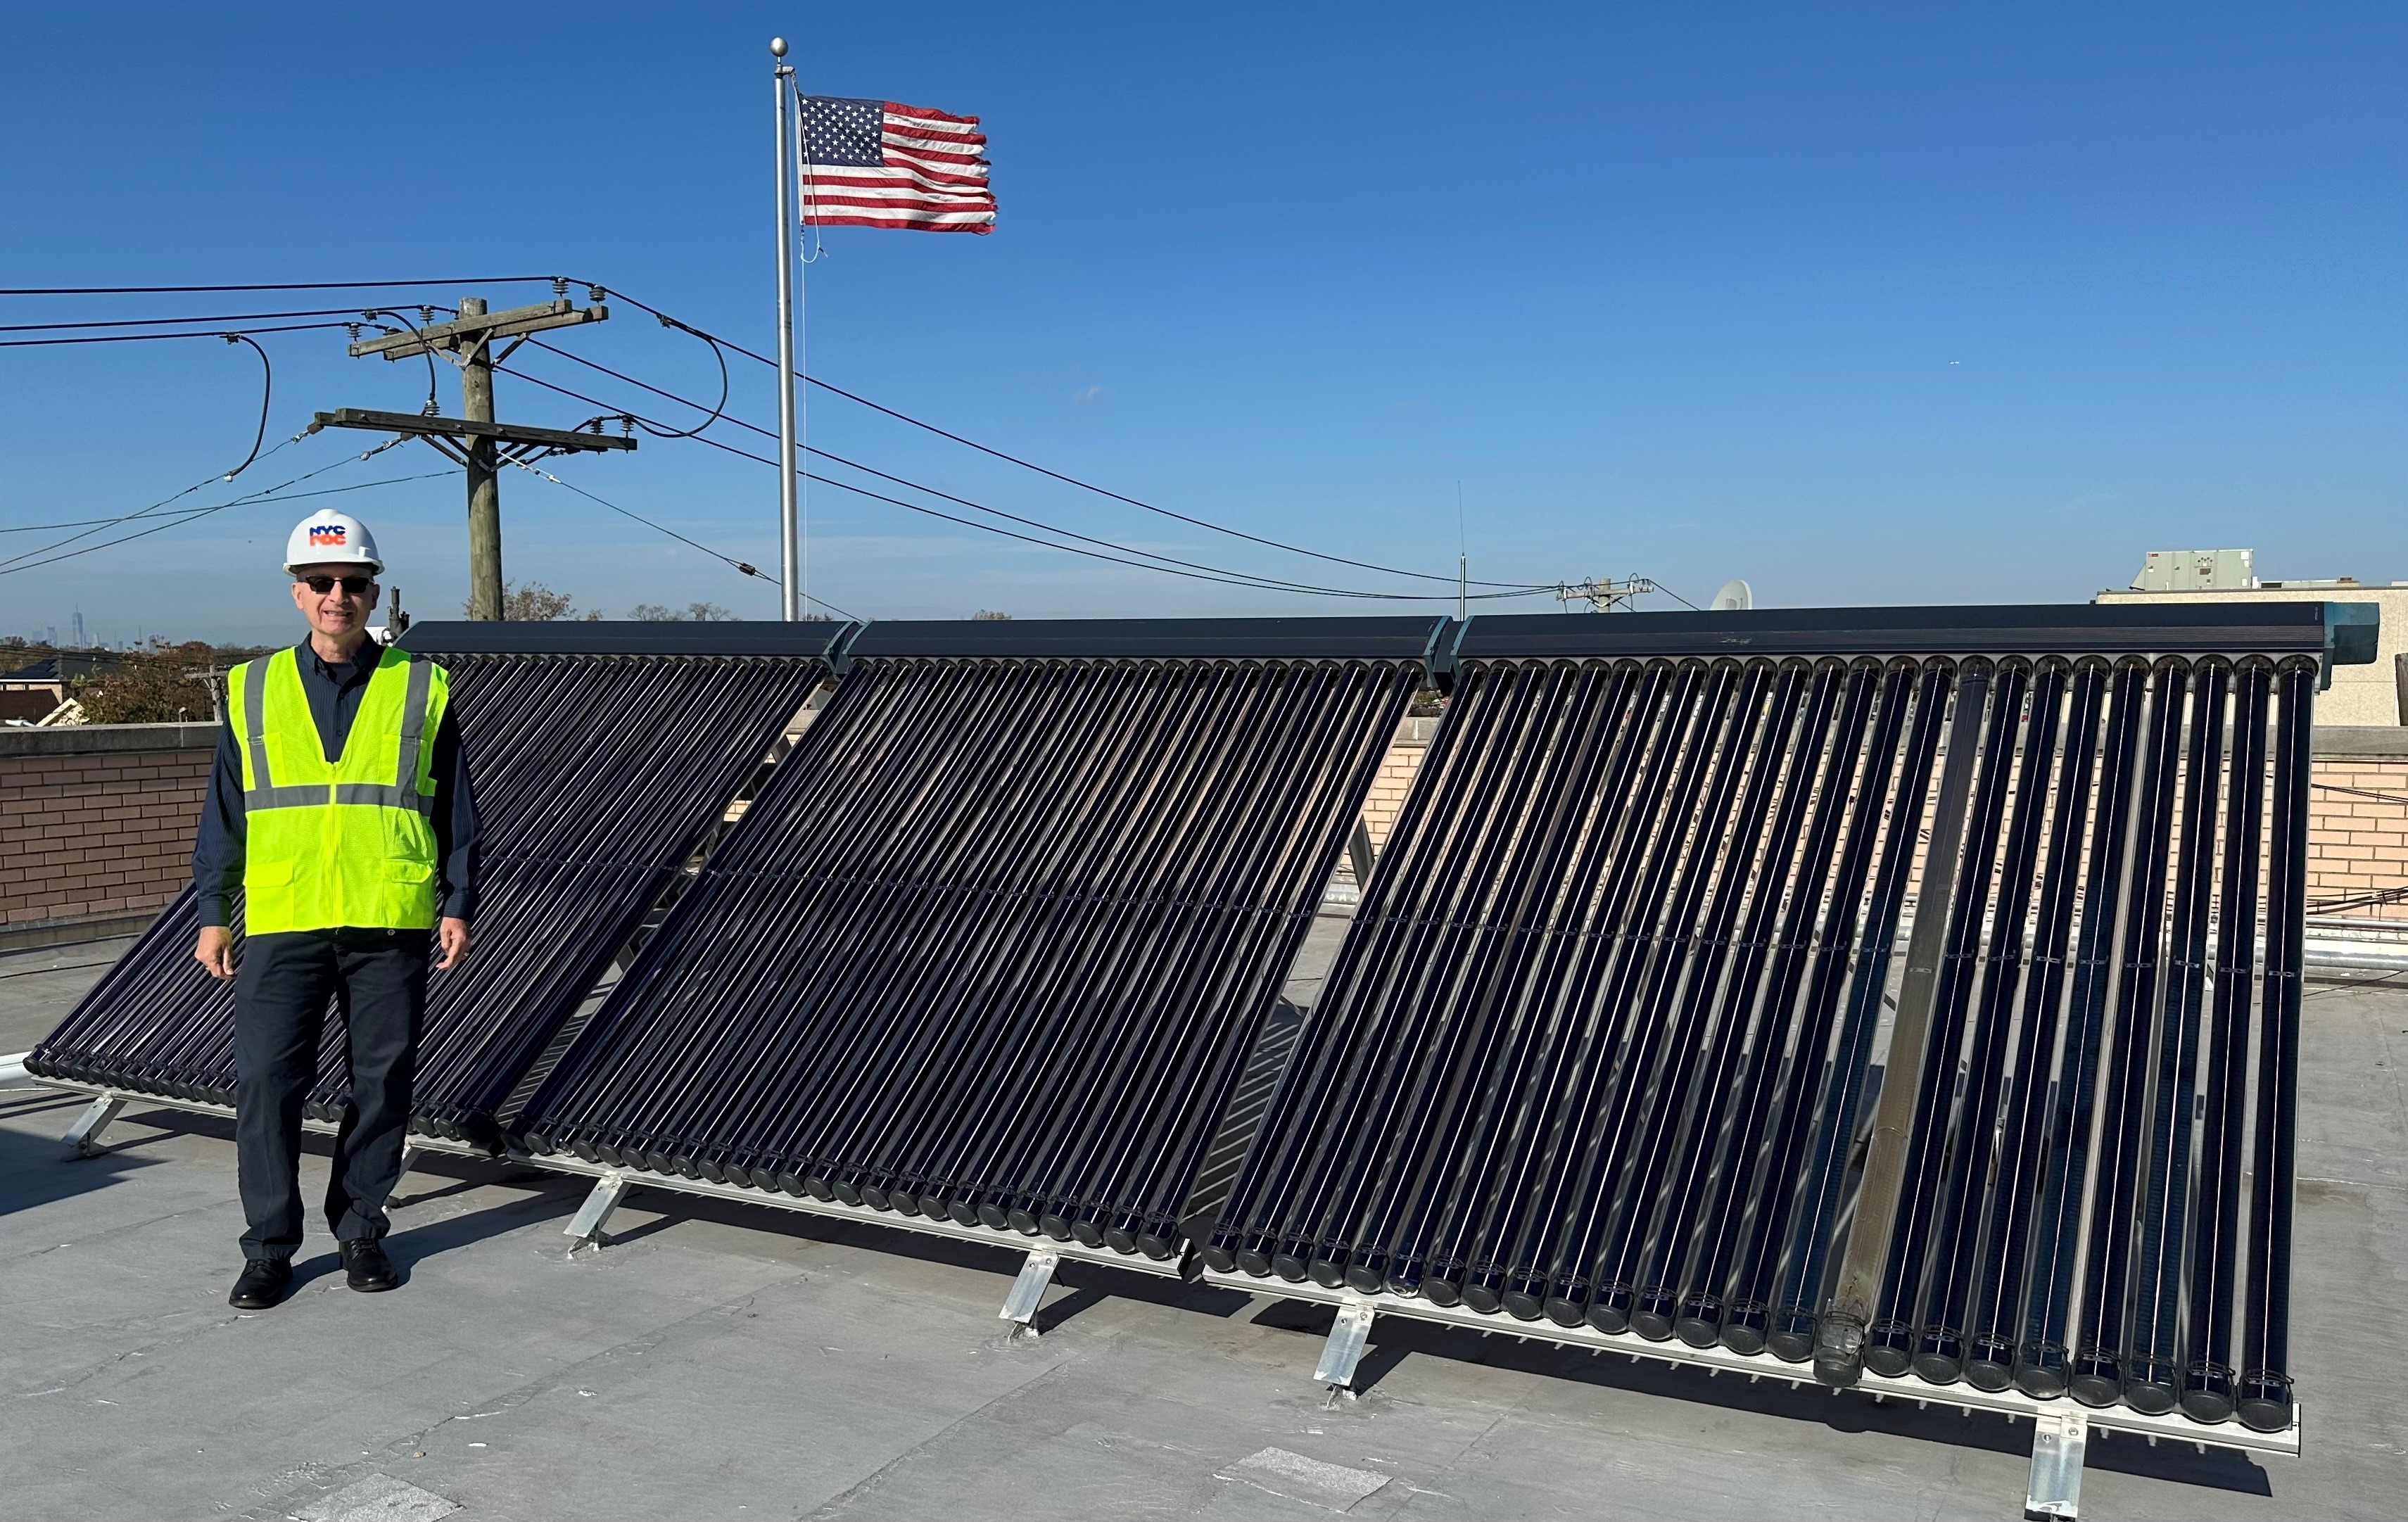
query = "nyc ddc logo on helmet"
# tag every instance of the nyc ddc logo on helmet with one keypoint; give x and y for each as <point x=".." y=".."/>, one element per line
<point x="325" y="534"/>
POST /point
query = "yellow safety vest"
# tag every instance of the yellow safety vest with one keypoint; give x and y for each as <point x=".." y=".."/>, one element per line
<point x="350" y="841"/>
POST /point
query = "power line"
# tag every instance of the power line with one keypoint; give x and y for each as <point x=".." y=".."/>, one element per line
<point x="268" y="493"/>
<point x="719" y="344"/>
<point x="284" y="285"/>
<point x="717" y="341"/>
<point x="144" y="512"/>
<point x="72" y="523"/>
<point x="1056" y="475"/>
<point x="744" y="565"/>
<point x="267" y="394"/>
<point x="1169" y="563"/>
<point x="157" y="338"/>
<point x="178" y="321"/>
<point x="1269" y="582"/>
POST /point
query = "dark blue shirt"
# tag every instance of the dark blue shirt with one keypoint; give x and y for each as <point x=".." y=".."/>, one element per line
<point x="333" y="692"/>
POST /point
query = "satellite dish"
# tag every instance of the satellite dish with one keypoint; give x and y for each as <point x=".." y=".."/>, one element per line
<point x="1735" y="595"/>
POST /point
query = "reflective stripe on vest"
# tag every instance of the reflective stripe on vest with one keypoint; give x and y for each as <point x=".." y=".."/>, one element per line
<point x="341" y="842"/>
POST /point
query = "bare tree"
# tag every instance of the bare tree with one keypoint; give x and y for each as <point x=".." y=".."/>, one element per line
<point x="694" y="613"/>
<point x="532" y="602"/>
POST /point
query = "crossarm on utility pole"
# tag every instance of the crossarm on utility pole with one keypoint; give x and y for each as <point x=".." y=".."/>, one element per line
<point x="473" y="329"/>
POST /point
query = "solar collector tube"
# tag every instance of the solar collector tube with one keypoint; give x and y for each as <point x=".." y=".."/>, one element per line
<point x="1596" y="941"/>
<point x="1465" y="955"/>
<point x="1684" y="864"/>
<point x="1500" y="1255"/>
<point x="1942" y="1124"/>
<point x="1821" y="969"/>
<point x="2042" y="1366"/>
<point x="2153" y="1373"/>
<point x="1066" y="1034"/>
<point x="1846" y="997"/>
<point x="1607" y="930"/>
<point x="1838" y="1329"/>
<point x="1788" y="886"/>
<point x="1301" y="1103"/>
<point x="1735" y="947"/>
<point x="2098" y="1331"/>
<point x="1434" y="1257"/>
<point x="1000" y="1018"/>
<point x="1994" y="1306"/>
<point x="2207" y="1389"/>
<point x="2264" y="1393"/>
<point x="731" y="1002"/>
<point x="1210" y="910"/>
<point x="1943" y="1340"/>
<point x="1303" y="873"/>
<point x="1205" y="977"/>
<point x="789" y="990"/>
<point x="1686" y="971"/>
<point x="1345" y="1136"/>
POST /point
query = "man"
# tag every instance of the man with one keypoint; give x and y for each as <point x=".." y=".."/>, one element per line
<point x="340" y="806"/>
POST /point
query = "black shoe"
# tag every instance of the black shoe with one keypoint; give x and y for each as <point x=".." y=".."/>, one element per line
<point x="264" y="1282"/>
<point x="365" y="1267"/>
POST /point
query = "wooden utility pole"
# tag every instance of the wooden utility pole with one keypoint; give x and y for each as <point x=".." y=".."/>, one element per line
<point x="477" y="442"/>
<point x="484" y="487"/>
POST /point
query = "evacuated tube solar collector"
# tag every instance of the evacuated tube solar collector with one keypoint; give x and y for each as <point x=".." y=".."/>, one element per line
<point x="1596" y="1047"/>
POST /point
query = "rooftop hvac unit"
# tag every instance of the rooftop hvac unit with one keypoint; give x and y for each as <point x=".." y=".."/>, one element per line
<point x="2196" y="570"/>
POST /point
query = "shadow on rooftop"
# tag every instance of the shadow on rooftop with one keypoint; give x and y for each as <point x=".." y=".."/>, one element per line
<point x="36" y="1169"/>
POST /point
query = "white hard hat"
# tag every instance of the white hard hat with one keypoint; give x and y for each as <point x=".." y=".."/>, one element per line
<point x="331" y="539"/>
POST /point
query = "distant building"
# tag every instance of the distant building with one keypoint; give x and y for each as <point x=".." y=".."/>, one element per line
<point x="58" y="670"/>
<point x="2359" y="695"/>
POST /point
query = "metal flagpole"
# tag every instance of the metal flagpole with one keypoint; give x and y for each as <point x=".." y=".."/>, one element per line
<point x="789" y="577"/>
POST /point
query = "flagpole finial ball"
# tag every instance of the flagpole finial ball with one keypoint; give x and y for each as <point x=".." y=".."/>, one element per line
<point x="777" y="46"/>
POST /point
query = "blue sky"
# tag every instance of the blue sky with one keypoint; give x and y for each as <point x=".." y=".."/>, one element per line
<point x="1862" y="302"/>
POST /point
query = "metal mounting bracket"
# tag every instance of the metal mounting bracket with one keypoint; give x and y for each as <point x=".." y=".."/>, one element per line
<point x="2059" y="1437"/>
<point x="585" y="1227"/>
<point x="1344" y="1349"/>
<point x="1028" y="1290"/>
<point x="83" y="1138"/>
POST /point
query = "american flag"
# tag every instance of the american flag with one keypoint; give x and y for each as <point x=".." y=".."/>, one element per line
<point x="877" y="164"/>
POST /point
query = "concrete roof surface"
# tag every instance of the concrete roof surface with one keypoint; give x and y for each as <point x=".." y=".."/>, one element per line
<point x="723" y="1361"/>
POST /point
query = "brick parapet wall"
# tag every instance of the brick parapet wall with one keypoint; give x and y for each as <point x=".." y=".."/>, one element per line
<point x="2358" y="836"/>
<point x="97" y="825"/>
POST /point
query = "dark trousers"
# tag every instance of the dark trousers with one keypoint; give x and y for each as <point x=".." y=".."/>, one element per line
<point x="377" y="980"/>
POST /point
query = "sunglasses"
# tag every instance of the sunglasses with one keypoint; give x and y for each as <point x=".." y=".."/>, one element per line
<point x="354" y="586"/>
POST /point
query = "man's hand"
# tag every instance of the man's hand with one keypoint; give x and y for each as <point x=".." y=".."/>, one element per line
<point x="453" y="936"/>
<point x="215" y="952"/>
